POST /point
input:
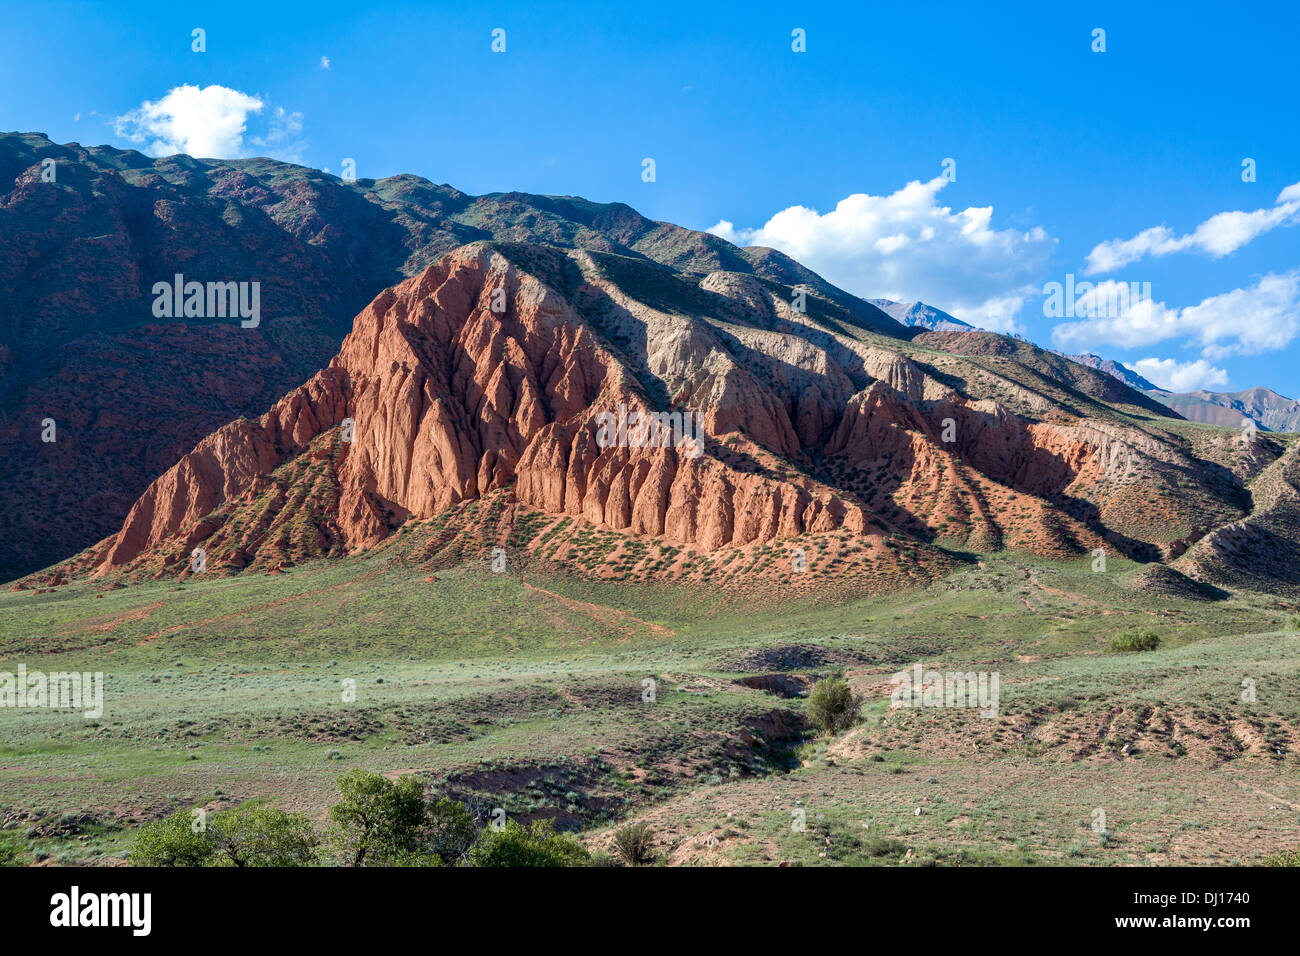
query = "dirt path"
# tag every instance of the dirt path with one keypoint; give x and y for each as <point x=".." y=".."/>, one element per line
<point x="606" y="615"/>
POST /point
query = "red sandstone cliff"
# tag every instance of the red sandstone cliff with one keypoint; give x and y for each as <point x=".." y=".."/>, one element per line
<point x="808" y="430"/>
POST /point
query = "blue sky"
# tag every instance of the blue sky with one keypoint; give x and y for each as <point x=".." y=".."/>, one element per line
<point x="1114" y="165"/>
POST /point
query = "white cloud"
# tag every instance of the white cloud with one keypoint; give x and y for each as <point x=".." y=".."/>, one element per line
<point x="1219" y="235"/>
<point x="1262" y="318"/>
<point x="1175" y="376"/>
<point x="207" y="122"/>
<point x="906" y="246"/>
<point x="324" y="63"/>
<point x="211" y="123"/>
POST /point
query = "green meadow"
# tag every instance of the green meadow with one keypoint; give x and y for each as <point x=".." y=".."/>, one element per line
<point x="592" y="704"/>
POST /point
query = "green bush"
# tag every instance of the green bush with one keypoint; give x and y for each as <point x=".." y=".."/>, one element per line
<point x="883" y="846"/>
<point x="1140" y="640"/>
<point x="256" y="834"/>
<point x="260" y="834"/>
<point x="535" y="845"/>
<point x="1283" y="858"/>
<point x="172" y="841"/>
<point x="380" y="822"/>
<point x="12" y="851"/>
<point x="451" y="831"/>
<point x="832" y="705"/>
<point x="635" y="844"/>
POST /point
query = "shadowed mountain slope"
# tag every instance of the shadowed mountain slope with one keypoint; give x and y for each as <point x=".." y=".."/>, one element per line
<point x="130" y="393"/>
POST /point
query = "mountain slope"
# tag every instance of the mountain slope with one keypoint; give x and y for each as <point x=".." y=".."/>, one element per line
<point x="1266" y="408"/>
<point x="1111" y="367"/>
<point x="130" y="393"/>
<point x="1261" y="551"/>
<point x="476" y="390"/>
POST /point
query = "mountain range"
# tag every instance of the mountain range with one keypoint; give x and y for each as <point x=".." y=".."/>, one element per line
<point x="462" y="409"/>
<point x="129" y="394"/>
<point x="918" y="315"/>
<point x="1266" y="408"/>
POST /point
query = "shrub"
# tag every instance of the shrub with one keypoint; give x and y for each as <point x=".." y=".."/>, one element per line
<point x="832" y="705"/>
<point x="883" y="846"/>
<point x="1140" y="640"/>
<point x="451" y="831"/>
<point x="1283" y="858"/>
<point x="11" y="849"/>
<point x="171" y="841"/>
<point x="256" y="834"/>
<point x="635" y="844"/>
<point x="380" y="822"/>
<point x="535" y="845"/>
<point x="262" y="835"/>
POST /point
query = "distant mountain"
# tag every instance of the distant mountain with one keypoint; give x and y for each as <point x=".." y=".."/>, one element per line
<point x="1111" y="367"/>
<point x="918" y="315"/>
<point x="1265" y="407"/>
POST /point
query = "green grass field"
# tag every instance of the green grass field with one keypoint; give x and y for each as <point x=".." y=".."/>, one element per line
<point x="526" y="693"/>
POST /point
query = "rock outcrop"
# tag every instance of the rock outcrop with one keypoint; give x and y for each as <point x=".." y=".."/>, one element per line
<point x="502" y="370"/>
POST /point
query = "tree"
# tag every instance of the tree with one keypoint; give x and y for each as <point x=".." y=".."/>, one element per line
<point x="255" y="834"/>
<point x="260" y="834"/>
<point x="535" y="845"/>
<point x="172" y="841"/>
<point x="451" y="831"/>
<point x="832" y="705"/>
<point x="380" y="822"/>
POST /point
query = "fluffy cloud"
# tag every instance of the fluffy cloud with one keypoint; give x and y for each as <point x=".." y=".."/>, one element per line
<point x="1219" y="235"/>
<point x="1177" y="376"/>
<point x="906" y="246"/>
<point x="209" y="122"/>
<point x="1262" y="318"/>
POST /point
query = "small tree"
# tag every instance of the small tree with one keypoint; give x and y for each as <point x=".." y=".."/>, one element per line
<point x="380" y="822"/>
<point x="260" y="834"/>
<point x="832" y="705"/>
<point x="451" y="831"/>
<point x="172" y="841"/>
<point x="536" y="845"/>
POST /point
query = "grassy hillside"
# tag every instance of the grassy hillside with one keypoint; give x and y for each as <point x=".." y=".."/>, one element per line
<point x="525" y="692"/>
